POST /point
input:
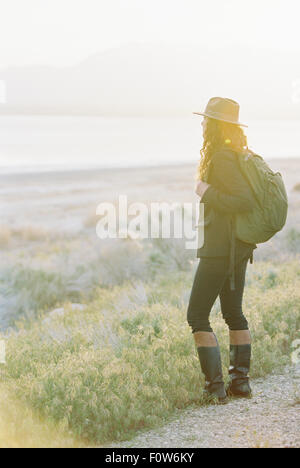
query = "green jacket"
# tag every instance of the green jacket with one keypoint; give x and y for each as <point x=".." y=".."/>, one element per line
<point x="229" y="193"/>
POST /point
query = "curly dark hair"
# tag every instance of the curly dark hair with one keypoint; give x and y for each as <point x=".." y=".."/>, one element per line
<point x="219" y="134"/>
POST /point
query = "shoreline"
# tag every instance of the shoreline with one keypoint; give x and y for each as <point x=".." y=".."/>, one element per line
<point x="56" y="170"/>
<point x="83" y="170"/>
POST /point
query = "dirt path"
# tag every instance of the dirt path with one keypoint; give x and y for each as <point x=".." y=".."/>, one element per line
<point x="270" y="419"/>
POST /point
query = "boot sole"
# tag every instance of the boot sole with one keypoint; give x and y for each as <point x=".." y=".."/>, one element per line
<point x="211" y="399"/>
<point x="233" y="395"/>
<point x="223" y="402"/>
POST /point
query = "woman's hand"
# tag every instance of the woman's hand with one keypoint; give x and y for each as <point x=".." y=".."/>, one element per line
<point x="201" y="187"/>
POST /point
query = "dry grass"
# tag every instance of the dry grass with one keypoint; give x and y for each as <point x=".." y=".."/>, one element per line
<point x="296" y="187"/>
<point x="20" y="427"/>
<point x="27" y="233"/>
<point x="91" y="220"/>
<point x="5" y="236"/>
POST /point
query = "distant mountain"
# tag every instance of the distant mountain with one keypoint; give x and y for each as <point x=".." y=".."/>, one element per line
<point x="158" y="80"/>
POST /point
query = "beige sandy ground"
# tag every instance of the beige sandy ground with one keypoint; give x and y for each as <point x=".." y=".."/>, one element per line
<point x="65" y="200"/>
<point x="270" y="419"/>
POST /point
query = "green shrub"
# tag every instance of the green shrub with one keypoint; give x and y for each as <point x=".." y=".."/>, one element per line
<point x="128" y="360"/>
<point x="293" y="240"/>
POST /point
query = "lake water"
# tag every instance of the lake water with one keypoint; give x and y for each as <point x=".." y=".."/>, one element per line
<point x="31" y="143"/>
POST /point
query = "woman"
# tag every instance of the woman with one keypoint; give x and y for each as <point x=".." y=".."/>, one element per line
<point x="223" y="259"/>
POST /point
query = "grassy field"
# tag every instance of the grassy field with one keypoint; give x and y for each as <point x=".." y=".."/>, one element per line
<point x="126" y="359"/>
<point x="96" y="336"/>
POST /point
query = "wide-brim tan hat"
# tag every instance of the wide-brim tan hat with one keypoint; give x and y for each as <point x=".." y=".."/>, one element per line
<point x="223" y="109"/>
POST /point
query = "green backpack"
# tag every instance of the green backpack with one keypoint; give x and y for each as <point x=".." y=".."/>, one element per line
<point x="269" y="215"/>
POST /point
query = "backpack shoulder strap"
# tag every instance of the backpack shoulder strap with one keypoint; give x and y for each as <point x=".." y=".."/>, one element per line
<point x="232" y="254"/>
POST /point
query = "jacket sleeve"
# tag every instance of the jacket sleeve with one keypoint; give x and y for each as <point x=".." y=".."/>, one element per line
<point x="229" y="191"/>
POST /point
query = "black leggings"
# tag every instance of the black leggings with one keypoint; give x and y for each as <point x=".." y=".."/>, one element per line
<point x="212" y="280"/>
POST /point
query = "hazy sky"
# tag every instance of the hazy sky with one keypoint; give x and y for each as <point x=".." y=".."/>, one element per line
<point x="62" y="32"/>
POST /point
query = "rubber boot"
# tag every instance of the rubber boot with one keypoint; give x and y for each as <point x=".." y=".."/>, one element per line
<point x="240" y="356"/>
<point x="210" y="361"/>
